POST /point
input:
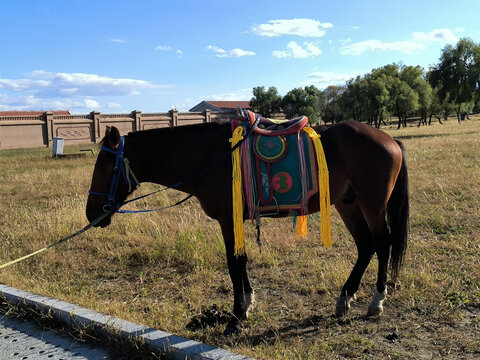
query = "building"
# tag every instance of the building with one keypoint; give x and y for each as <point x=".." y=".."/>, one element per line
<point x="221" y="106"/>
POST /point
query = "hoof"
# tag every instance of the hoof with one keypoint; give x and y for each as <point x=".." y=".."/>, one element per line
<point x="341" y="311"/>
<point x="375" y="311"/>
<point x="343" y="305"/>
<point x="230" y="331"/>
<point x="376" y="306"/>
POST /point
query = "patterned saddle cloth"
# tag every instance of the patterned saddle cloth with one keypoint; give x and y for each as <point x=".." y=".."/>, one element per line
<point x="279" y="171"/>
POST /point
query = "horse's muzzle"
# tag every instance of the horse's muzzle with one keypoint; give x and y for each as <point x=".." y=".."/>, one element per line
<point x="92" y="216"/>
<point x="105" y="222"/>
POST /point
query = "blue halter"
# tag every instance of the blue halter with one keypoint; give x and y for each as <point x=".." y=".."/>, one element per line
<point x="121" y="170"/>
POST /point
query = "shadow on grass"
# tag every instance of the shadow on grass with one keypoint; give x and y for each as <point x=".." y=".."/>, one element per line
<point x="408" y="137"/>
<point x="310" y="327"/>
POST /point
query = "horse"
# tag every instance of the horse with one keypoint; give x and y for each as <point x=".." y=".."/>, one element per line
<point x="368" y="186"/>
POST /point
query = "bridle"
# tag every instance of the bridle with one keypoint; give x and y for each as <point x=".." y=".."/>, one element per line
<point x="121" y="170"/>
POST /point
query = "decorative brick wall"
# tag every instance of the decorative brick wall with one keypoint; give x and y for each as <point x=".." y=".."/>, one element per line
<point x="36" y="131"/>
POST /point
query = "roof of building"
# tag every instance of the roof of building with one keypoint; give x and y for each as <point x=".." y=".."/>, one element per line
<point x="32" y="113"/>
<point x="222" y="105"/>
<point x="230" y="104"/>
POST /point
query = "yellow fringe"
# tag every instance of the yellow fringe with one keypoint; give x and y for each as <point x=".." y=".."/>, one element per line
<point x="238" y="229"/>
<point x="324" y="187"/>
<point x="302" y="229"/>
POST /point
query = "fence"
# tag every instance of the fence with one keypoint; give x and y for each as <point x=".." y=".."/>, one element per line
<point x="36" y="131"/>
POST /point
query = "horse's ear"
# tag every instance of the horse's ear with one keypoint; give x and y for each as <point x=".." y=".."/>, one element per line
<point x="112" y="137"/>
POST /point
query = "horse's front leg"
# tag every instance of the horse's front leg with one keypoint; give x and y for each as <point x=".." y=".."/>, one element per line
<point x="243" y="296"/>
<point x="241" y="299"/>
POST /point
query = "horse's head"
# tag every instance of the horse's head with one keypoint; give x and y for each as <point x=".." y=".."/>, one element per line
<point x="109" y="187"/>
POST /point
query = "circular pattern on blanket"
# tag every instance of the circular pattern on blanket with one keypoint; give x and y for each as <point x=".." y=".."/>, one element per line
<point x="270" y="148"/>
<point x="282" y="182"/>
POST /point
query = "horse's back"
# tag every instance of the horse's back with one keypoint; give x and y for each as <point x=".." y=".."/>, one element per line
<point x="360" y="156"/>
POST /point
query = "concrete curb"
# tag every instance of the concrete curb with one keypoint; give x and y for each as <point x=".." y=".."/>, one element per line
<point x="169" y="345"/>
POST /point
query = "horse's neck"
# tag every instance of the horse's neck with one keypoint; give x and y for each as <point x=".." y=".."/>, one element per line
<point x="177" y="155"/>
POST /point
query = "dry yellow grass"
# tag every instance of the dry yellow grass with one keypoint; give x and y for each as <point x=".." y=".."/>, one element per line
<point x="159" y="269"/>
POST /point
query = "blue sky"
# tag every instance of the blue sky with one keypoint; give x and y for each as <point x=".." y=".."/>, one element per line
<point x="120" y="56"/>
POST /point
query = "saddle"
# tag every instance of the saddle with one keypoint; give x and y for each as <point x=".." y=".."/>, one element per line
<point x="271" y="127"/>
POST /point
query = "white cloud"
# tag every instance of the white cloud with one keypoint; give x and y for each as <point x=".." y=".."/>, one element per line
<point x="119" y="41"/>
<point x="163" y="48"/>
<point x="436" y="35"/>
<point x="294" y="50"/>
<point x="243" y="94"/>
<point x="22" y="84"/>
<point x="47" y="90"/>
<point x="34" y="103"/>
<point x="17" y="102"/>
<point x="221" y="53"/>
<point x="406" y="47"/>
<point x="91" y="104"/>
<point x="298" y="27"/>
<point x="323" y="79"/>
<point x="418" y="42"/>
<point x="114" y="105"/>
<point x="50" y="84"/>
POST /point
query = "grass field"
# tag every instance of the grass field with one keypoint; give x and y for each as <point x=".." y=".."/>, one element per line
<point x="162" y="269"/>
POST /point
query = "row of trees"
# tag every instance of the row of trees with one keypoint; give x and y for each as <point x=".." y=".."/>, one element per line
<point x="450" y="87"/>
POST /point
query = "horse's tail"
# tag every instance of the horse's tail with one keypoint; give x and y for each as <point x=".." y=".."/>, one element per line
<point x="398" y="217"/>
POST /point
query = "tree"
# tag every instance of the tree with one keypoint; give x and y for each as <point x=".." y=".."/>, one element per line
<point x="304" y="101"/>
<point x="378" y="96"/>
<point x="400" y="82"/>
<point x="333" y="110"/>
<point x="266" y="102"/>
<point x="354" y="98"/>
<point x="414" y="77"/>
<point x="457" y="75"/>
<point x="403" y="100"/>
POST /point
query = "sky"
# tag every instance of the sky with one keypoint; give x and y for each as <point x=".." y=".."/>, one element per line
<point x="153" y="56"/>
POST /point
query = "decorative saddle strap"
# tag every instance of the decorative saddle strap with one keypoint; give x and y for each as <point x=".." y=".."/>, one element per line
<point x="238" y="229"/>
<point x="323" y="188"/>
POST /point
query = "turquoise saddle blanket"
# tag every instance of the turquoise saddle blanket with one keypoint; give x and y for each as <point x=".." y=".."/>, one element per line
<point x="279" y="173"/>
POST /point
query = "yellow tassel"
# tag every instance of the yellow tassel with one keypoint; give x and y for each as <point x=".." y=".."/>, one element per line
<point x="238" y="230"/>
<point x="324" y="187"/>
<point x="302" y="229"/>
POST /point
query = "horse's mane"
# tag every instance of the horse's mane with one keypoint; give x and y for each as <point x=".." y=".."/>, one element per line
<point x="177" y="130"/>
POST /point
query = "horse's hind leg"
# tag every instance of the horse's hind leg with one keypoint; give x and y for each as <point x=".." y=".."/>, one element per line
<point x="381" y="237"/>
<point x="356" y="224"/>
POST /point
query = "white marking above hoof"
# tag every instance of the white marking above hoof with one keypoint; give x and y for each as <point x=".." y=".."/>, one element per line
<point x="376" y="305"/>
<point x="249" y="302"/>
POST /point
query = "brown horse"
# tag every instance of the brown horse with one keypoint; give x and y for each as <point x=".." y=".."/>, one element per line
<point x="368" y="186"/>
